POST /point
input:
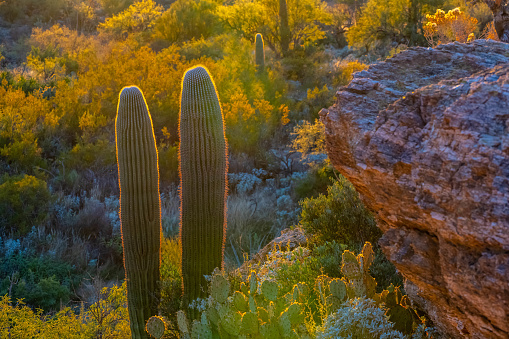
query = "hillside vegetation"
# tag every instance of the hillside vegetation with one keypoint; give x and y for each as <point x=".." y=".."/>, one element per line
<point x="62" y="66"/>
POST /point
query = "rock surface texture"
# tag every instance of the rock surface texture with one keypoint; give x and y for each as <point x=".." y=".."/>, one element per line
<point x="424" y="138"/>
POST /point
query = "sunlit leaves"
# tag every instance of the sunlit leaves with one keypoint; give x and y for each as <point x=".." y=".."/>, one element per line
<point x="138" y="17"/>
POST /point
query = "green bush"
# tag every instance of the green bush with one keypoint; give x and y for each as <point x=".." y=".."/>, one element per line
<point x="90" y="156"/>
<point x="24" y="202"/>
<point x="23" y="155"/>
<point x="340" y="216"/>
<point x="315" y="182"/>
<point x="42" y="282"/>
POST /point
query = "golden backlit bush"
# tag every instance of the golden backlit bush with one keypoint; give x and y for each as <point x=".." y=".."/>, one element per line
<point x="455" y="25"/>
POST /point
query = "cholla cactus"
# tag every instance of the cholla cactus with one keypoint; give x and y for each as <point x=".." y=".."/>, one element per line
<point x="259" y="53"/>
<point x="203" y="169"/>
<point x="140" y="207"/>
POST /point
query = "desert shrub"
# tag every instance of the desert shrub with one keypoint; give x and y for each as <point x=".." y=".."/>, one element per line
<point x="171" y="276"/>
<point x="242" y="183"/>
<point x="306" y="20"/>
<point x="23" y="154"/>
<point x="442" y="28"/>
<point x="359" y="318"/>
<point x="31" y="11"/>
<point x="24" y="202"/>
<point x="248" y="124"/>
<point x="340" y="215"/>
<point x="90" y="156"/>
<point x="41" y="281"/>
<point x="211" y="48"/>
<point x="288" y="267"/>
<point x="345" y="70"/>
<point x="328" y="258"/>
<point x="112" y="7"/>
<point x="187" y="20"/>
<point x="138" y="17"/>
<point x="318" y="178"/>
<point x="316" y="99"/>
<point x="92" y="221"/>
<point x="106" y="318"/>
<point x="309" y="141"/>
<point x="28" y="85"/>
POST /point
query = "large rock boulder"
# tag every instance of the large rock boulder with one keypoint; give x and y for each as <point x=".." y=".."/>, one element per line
<point x="424" y="138"/>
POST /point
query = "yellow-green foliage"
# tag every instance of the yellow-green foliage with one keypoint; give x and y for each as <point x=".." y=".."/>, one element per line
<point x="186" y="20"/>
<point x="138" y="17"/>
<point x="345" y="70"/>
<point x="248" y="123"/>
<point x="24" y="201"/>
<point x="171" y="275"/>
<point x="303" y="19"/>
<point x="107" y="318"/>
<point x="309" y="138"/>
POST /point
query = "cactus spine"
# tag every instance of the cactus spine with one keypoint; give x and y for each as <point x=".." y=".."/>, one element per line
<point x="259" y="53"/>
<point x="140" y="206"/>
<point x="203" y="169"/>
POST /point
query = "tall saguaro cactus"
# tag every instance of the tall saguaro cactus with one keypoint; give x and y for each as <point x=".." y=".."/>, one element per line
<point x="284" y="28"/>
<point x="140" y="206"/>
<point x="203" y="169"/>
<point x="259" y="53"/>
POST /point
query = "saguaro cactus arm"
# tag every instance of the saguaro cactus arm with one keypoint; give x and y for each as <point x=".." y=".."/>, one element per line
<point x="140" y="206"/>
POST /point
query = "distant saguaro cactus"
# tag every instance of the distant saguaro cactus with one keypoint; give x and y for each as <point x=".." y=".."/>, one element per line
<point x="259" y="53"/>
<point x="203" y="169"/>
<point x="284" y="28"/>
<point x="140" y="206"/>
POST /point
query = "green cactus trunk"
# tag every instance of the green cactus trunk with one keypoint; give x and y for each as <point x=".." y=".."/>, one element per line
<point x="259" y="53"/>
<point x="203" y="169"/>
<point x="284" y="28"/>
<point x="140" y="206"/>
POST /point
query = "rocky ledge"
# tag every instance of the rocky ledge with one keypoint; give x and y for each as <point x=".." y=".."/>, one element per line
<point x="424" y="138"/>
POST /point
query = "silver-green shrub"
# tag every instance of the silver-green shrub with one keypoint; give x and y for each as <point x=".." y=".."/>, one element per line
<point x="358" y="318"/>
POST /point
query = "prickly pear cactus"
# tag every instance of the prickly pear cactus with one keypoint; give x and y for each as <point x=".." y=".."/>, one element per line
<point x="359" y="282"/>
<point x="140" y="207"/>
<point x="399" y="310"/>
<point x="219" y="288"/>
<point x="247" y="313"/>
<point x="203" y="169"/>
<point x="156" y="327"/>
<point x="259" y="53"/>
<point x="270" y="290"/>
